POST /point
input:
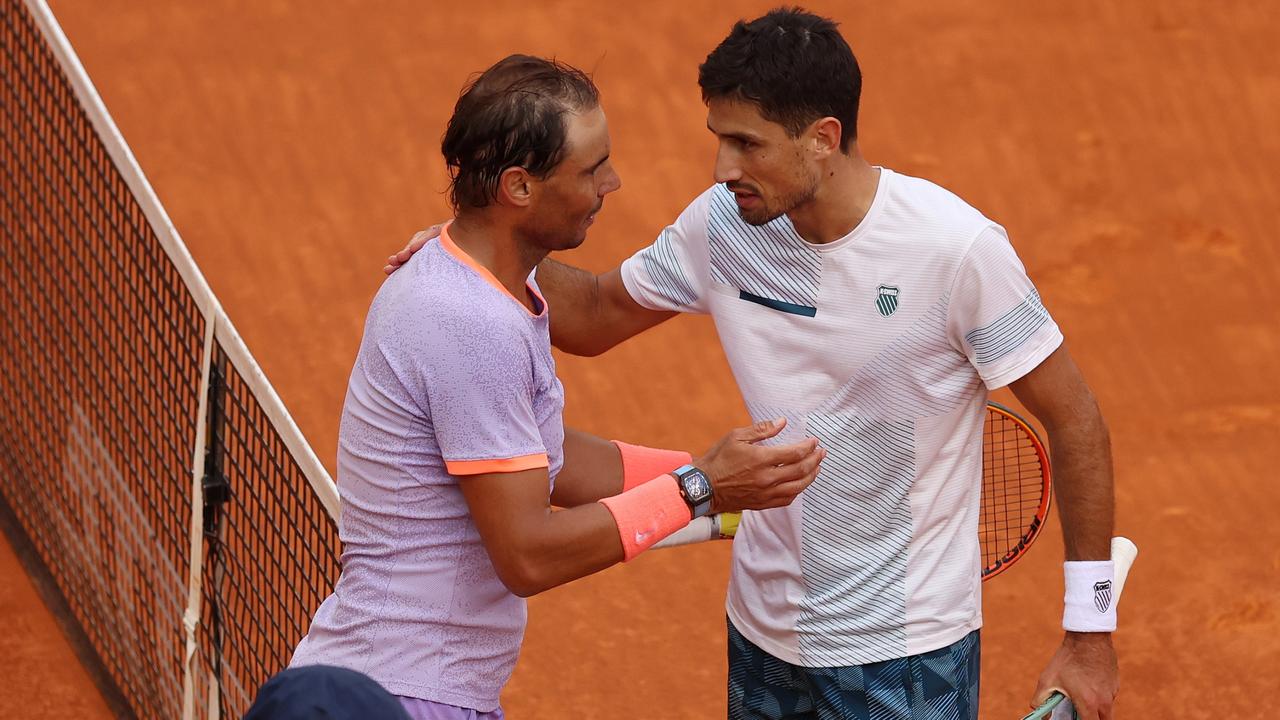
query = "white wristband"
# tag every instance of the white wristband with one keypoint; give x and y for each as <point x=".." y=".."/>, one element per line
<point x="1090" y="602"/>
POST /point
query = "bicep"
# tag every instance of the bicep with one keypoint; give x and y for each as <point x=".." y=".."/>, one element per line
<point x="1056" y="393"/>
<point x="531" y="545"/>
<point x="592" y="313"/>
<point x="505" y="507"/>
<point x="625" y="317"/>
<point x="995" y="316"/>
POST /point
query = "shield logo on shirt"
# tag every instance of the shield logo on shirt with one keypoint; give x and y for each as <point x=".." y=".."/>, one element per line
<point x="1102" y="595"/>
<point x="887" y="300"/>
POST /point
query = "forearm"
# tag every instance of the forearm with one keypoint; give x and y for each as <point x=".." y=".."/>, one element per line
<point x="559" y="547"/>
<point x="592" y="470"/>
<point x="592" y="313"/>
<point x="595" y="468"/>
<point x="1080" y="445"/>
<point x="1084" y="484"/>
<point x="534" y="547"/>
<point x="573" y="296"/>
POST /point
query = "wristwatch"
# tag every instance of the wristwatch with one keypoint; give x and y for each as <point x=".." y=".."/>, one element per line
<point x="695" y="488"/>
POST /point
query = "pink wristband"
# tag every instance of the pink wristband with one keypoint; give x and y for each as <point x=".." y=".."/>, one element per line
<point x="647" y="514"/>
<point x="641" y="464"/>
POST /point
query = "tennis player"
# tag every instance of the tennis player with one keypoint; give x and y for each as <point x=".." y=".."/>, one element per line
<point x="452" y="451"/>
<point x="875" y="311"/>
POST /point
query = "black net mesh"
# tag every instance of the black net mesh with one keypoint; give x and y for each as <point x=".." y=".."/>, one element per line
<point x="99" y="377"/>
<point x="100" y="373"/>
<point x="272" y="553"/>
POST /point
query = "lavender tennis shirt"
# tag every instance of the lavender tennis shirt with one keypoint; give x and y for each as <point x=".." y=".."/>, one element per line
<point x="454" y="377"/>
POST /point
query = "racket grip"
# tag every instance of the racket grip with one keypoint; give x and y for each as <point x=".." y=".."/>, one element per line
<point x="1064" y="711"/>
<point x="698" y="530"/>
<point x="1052" y="708"/>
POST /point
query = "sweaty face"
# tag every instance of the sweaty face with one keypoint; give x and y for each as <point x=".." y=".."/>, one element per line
<point x="763" y="166"/>
<point x="568" y="199"/>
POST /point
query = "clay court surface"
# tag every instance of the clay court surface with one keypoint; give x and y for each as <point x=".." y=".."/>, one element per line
<point x="1129" y="148"/>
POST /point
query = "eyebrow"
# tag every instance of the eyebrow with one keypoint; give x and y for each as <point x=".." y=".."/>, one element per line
<point x="741" y="137"/>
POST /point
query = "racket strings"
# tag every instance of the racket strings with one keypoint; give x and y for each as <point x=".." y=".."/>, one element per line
<point x="1012" y="490"/>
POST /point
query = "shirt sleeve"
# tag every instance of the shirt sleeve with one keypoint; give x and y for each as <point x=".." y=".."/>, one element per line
<point x="480" y="388"/>
<point x="995" y="315"/>
<point x="672" y="273"/>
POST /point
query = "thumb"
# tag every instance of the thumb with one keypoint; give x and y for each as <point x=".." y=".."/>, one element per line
<point x="762" y="430"/>
<point x="1044" y="692"/>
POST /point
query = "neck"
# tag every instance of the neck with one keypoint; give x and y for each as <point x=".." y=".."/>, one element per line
<point x="842" y="200"/>
<point x="496" y="247"/>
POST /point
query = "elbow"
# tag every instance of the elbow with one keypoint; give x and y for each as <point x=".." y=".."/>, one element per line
<point x="524" y="577"/>
<point x="590" y="347"/>
<point x="1092" y="421"/>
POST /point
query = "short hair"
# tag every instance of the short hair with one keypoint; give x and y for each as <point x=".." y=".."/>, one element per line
<point x="511" y="115"/>
<point x="793" y="65"/>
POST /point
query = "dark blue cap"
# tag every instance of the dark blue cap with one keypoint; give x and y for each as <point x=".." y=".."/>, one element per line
<point x="321" y="692"/>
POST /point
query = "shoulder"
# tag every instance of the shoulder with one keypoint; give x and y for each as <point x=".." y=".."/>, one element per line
<point x="918" y="200"/>
<point x="434" y="300"/>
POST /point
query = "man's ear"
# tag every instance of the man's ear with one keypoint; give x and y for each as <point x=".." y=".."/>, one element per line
<point x="515" y="187"/>
<point x="825" y="137"/>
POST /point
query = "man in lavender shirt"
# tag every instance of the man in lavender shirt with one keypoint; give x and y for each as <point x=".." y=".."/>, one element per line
<point x="452" y="450"/>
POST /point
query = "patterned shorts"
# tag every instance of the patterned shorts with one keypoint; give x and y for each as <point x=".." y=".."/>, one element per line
<point x="937" y="685"/>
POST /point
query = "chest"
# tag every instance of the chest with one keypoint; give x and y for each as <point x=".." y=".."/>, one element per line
<point x="877" y="306"/>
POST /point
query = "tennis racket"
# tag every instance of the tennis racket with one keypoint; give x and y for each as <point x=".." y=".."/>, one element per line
<point x="1016" y="493"/>
<point x="1058" y="706"/>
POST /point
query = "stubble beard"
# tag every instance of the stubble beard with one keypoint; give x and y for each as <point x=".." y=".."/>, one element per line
<point x="770" y="212"/>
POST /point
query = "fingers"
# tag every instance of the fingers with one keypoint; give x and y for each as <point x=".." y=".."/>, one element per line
<point x="420" y="238"/>
<point x="793" y="479"/>
<point x="762" y="430"/>
<point x="807" y="464"/>
<point x="416" y="243"/>
<point x="784" y="493"/>
<point x="1091" y="706"/>
<point x="788" y="454"/>
<point x="1042" y="693"/>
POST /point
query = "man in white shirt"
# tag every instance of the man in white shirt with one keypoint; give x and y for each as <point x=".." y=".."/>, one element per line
<point x="875" y="311"/>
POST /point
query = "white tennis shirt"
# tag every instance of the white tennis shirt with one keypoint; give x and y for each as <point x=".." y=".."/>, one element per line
<point x="883" y="345"/>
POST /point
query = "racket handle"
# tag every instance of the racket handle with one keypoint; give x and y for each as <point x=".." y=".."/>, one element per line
<point x="698" y="530"/>
<point x="721" y="526"/>
<point x="1123" y="553"/>
<point x="1051" y="707"/>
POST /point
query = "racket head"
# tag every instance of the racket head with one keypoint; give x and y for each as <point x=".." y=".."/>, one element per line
<point x="1017" y="489"/>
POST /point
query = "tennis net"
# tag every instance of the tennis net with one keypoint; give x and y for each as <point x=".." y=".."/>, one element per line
<point x="181" y="514"/>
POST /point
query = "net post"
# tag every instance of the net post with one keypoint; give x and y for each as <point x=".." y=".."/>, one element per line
<point x="191" y="617"/>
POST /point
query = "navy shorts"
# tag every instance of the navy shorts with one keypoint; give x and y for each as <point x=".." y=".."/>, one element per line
<point x="937" y="685"/>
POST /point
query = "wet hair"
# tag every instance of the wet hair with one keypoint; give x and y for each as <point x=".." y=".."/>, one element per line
<point x="511" y="115"/>
<point x="791" y="64"/>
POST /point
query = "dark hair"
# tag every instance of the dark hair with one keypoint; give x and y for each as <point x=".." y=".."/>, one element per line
<point x="793" y="65"/>
<point x="511" y="115"/>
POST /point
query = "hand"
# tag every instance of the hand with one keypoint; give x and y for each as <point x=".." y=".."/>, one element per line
<point x="420" y="238"/>
<point x="745" y="476"/>
<point x="1085" y="670"/>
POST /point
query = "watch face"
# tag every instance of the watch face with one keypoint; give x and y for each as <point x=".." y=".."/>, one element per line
<point x="696" y="486"/>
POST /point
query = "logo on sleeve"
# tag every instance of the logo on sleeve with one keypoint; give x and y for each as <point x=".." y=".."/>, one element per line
<point x="1102" y="595"/>
<point x="887" y="300"/>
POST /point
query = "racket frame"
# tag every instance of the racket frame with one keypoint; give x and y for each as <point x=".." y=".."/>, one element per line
<point x="1031" y="533"/>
